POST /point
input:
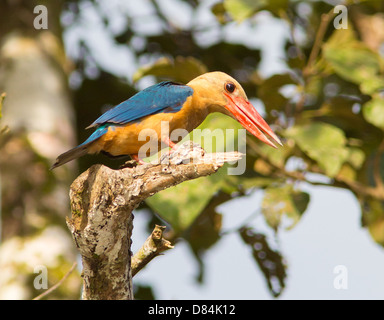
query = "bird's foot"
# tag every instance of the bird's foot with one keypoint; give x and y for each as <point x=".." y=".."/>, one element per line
<point x="129" y="164"/>
<point x="137" y="159"/>
<point x="132" y="163"/>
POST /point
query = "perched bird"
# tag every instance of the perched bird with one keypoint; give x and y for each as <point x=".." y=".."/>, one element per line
<point x="182" y="106"/>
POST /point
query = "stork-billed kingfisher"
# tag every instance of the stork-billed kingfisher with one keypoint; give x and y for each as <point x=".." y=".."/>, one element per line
<point x="182" y="106"/>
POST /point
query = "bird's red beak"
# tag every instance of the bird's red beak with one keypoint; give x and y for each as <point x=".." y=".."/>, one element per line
<point x="250" y="119"/>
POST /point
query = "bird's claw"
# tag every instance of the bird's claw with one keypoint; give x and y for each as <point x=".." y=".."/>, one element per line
<point x="129" y="164"/>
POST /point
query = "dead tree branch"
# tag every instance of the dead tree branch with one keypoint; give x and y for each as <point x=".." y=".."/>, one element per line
<point x="102" y="201"/>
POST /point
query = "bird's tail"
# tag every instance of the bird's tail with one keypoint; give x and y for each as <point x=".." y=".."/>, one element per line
<point x="72" y="154"/>
<point x="81" y="149"/>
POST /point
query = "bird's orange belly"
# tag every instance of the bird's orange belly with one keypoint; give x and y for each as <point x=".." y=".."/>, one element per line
<point x="143" y="138"/>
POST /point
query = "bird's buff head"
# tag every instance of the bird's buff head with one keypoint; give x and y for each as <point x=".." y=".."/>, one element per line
<point x="221" y="93"/>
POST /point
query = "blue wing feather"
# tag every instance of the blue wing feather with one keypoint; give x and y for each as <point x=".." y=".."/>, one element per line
<point x="163" y="97"/>
<point x="96" y="135"/>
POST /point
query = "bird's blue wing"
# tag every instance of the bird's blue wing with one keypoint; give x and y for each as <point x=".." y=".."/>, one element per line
<point x="97" y="134"/>
<point x="163" y="97"/>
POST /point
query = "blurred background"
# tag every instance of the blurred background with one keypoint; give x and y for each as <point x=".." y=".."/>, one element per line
<point x="305" y="221"/>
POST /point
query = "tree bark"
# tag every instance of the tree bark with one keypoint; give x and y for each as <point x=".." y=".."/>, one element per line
<point x="102" y="201"/>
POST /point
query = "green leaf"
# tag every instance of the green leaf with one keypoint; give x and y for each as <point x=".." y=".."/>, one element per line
<point x="256" y="182"/>
<point x="181" y="69"/>
<point x="243" y="9"/>
<point x="270" y="261"/>
<point x="323" y="143"/>
<point x="373" y="111"/>
<point x="182" y="204"/>
<point x="220" y="13"/>
<point x="269" y="91"/>
<point x="283" y="201"/>
<point x="373" y="218"/>
<point x="143" y="292"/>
<point x="276" y="6"/>
<point x="356" y="157"/>
<point x="218" y="133"/>
<point x="353" y="61"/>
<point x="275" y="156"/>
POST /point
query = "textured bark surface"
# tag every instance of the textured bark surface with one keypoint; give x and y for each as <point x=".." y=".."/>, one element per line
<point x="102" y="201"/>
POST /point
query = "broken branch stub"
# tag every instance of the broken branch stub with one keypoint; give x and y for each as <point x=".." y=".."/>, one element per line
<point x="152" y="247"/>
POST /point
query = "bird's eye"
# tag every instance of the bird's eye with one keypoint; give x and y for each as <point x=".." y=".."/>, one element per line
<point x="230" y="87"/>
